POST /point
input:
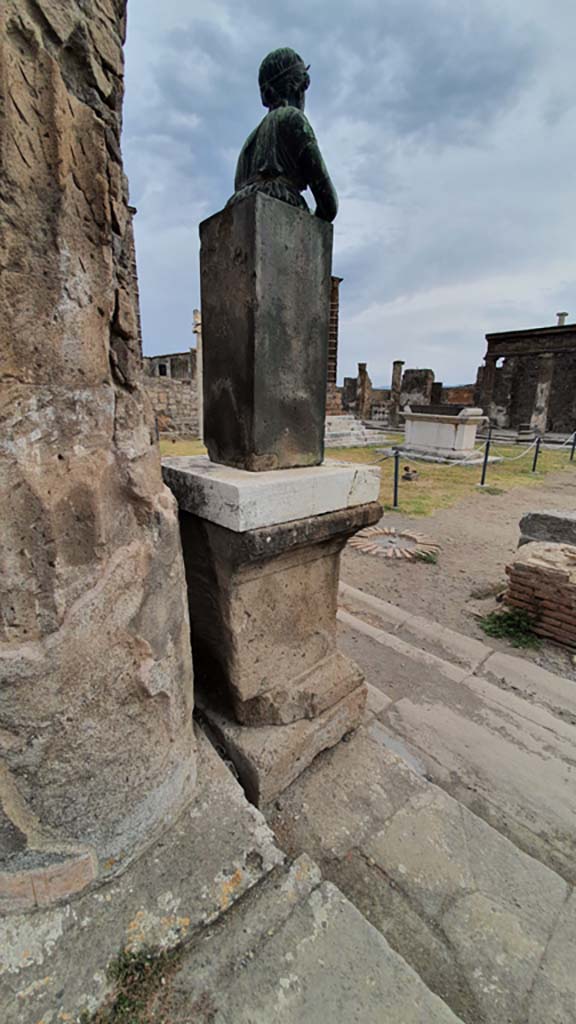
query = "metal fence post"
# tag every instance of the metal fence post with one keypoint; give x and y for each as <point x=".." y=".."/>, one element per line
<point x="396" y="475"/>
<point x="486" y="454"/>
<point x="536" y="453"/>
<point x="573" y="447"/>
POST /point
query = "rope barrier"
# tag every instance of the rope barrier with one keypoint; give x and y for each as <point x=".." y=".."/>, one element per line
<point x="474" y="459"/>
<point x="514" y="458"/>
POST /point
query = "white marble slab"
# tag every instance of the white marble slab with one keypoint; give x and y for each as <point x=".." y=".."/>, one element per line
<point x="241" y="501"/>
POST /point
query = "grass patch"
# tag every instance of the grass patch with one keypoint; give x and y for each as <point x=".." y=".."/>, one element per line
<point x="437" y="486"/>
<point x="192" y="446"/>
<point x="431" y="557"/>
<point x="513" y="625"/>
<point x="137" y="978"/>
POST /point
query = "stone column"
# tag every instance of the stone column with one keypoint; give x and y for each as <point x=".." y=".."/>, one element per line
<point x="539" y="417"/>
<point x="363" y="393"/>
<point x="97" y="753"/>
<point x="488" y="381"/>
<point x="197" y="330"/>
<point x="333" y="395"/>
<point x="395" y="389"/>
<point x="332" y="374"/>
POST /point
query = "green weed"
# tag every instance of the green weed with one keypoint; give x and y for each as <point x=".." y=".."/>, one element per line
<point x="136" y="977"/>
<point x="513" y="625"/>
<point x="431" y="557"/>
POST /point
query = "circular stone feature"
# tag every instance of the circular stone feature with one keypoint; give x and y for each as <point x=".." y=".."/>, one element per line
<point x="387" y="542"/>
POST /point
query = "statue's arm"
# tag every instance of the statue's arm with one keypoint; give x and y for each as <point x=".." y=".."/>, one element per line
<point x="314" y="170"/>
<point x="320" y="183"/>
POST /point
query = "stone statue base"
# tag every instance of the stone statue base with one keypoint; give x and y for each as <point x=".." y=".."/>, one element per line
<point x="269" y="678"/>
<point x="265" y="278"/>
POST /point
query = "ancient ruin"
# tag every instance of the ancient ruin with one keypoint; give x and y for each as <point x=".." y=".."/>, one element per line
<point x="441" y="437"/>
<point x="528" y="378"/>
<point x="171" y="383"/>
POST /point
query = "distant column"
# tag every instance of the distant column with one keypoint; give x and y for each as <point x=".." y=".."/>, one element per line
<point x="488" y="379"/>
<point x="395" y="390"/>
<point x="539" y="417"/>
<point x="197" y="330"/>
<point x="363" y="393"/>
<point x="333" y="329"/>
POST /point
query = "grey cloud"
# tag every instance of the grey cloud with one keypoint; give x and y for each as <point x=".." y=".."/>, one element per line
<point x="412" y="101"/>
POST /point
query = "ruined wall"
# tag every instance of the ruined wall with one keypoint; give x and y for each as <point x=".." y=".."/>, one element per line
<point x="416" y="387"/>
<point x="175" y="405"/>
<point x="460" y="394"/>
<point x="96" y="742"/>
<point x="334" y="405"/>
<point x="179" y="365"/>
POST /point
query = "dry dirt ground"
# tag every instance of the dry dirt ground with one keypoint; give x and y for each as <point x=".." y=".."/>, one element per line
<point x="478" y="538"/>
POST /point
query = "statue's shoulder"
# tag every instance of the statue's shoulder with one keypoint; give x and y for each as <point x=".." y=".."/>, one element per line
<point x="292" y="121"/>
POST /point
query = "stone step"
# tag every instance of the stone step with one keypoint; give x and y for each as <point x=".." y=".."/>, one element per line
<point x="348" y="432"/>
<point x="496" y="732"/>
<point x="489" y="929"/>
<point x="296" y="951"/>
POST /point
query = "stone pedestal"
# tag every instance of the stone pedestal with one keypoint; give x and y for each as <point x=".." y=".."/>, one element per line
<point x="441" y="438"/>
<point x="265" y="280"/>
<point x="262" y="563"/>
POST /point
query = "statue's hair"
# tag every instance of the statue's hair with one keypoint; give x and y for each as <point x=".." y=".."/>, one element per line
<point x="282" y="73"/>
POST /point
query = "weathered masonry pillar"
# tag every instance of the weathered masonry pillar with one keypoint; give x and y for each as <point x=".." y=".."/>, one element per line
<point x="488" y="381"/>
<point x="97" y="752"/>
<point x="332" y="375"/>
<point x="363" y="393"/>
<point x="539" y="417"/>
<point x="395" y="390"/>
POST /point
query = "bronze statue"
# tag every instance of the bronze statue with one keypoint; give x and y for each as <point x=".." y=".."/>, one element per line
<point x="281" y="157"/>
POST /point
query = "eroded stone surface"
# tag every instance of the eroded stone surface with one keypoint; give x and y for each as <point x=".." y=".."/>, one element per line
<point x="299" y="954"/>
<point x="551" y="527"/>
<point x="97" y="749"/>
<point x="53" y="962"/>
<point x="269" y="757"/>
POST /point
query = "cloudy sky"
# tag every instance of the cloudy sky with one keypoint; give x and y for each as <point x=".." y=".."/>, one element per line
<point x="448" y="127"/>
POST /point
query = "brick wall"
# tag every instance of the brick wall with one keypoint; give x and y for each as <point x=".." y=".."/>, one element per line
<point x="175" y="403"/>
<point x="461" y="394"/>
<point x="334" y="400"/>
<point x="542" y="582"/>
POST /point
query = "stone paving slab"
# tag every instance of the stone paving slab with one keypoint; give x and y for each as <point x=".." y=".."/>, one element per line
<point x="475" y="916"/>
<point x="53" y="962"/>
<point x="509" y="759"/>
<point x="296" y="951"/>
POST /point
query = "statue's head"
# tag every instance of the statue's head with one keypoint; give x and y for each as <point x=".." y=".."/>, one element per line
<point x="283" y="79"/>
